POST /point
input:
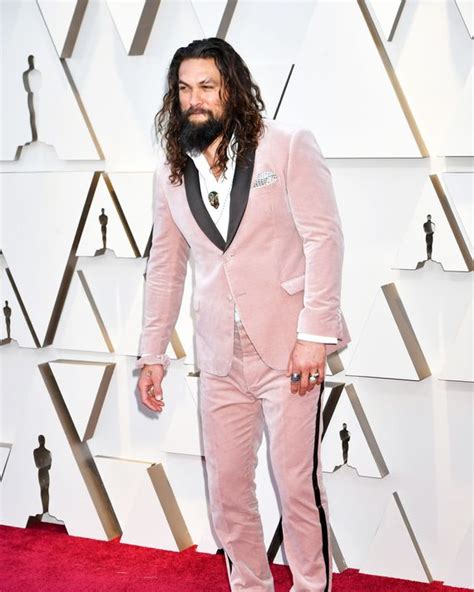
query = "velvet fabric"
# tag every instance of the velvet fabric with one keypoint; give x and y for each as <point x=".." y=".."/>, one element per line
<point x="282" y="266"/>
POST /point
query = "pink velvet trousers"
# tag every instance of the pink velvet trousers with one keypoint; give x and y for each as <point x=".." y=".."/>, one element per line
<point x="234" y="409"/>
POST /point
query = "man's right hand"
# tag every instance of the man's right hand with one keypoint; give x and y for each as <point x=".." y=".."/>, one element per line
<point x="149" y="386"/>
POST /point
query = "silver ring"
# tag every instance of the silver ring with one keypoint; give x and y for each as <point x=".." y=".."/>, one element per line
<point x="313" y="378"/>
<point x="295" y="377"/>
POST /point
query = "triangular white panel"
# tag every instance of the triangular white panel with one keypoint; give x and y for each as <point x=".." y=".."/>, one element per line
<point x="115" y="472"/>
<point x="269" y="37"/>
<point x="116" y="238"/>
<point x="122" y="94"/>
<point x="78" y="328"/>
<point x="360" y="456"/>
<point x="209" y="15"/>
<point x="134" y="192"/>
<point x="430" y="293"/>
<point x="58" y="17"/>
<point x="186" y="475"/>
<point x="458" y="139"/>
<point x="359" y="502"/>
<point x="184" y="435"/>
<point x="126" y="16"/>
<point x="392" y="552"/>
<point x="340" y="83"/>
<point x="51" y="88"/>
<point x="79" y="386"/>
<point x="116" y="286"/>
<point x="146" y="523"/>
<point x="380" y="351"/>
<point x="460" y="354"/>
<point x="19" y="330"/>
<point x="466" y="9"/>
<point x="386" y="12"/>
<point x="412" y="248"/>
<point x="460" y="190"/>
<point x="126" y="428"/>
<point x="461" y="573"/>
<point x="37" y="244"/>
<point x="70" y="499"/>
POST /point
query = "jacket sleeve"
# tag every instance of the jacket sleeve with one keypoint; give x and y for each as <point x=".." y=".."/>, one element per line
<point x="314" y="210"/>
<point x="165" y="275"/>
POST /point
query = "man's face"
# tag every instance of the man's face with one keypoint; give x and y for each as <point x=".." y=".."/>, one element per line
<point x="200" y="90"/>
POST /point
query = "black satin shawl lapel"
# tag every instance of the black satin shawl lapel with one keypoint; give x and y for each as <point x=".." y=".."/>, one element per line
<point x="239" y="195"/>
<point x="197" y="206"/>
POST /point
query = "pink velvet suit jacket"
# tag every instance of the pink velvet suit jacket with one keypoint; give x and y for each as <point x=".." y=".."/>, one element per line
<point x="281" y="263"/>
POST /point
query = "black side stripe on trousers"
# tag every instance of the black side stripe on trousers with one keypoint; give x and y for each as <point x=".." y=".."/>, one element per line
<point x="317" y="494"/>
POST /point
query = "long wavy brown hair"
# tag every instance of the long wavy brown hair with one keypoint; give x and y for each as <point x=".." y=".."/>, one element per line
<point x="242" y="110"/>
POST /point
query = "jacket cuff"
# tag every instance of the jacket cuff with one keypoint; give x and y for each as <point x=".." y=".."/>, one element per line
<point x="148" y="359"/>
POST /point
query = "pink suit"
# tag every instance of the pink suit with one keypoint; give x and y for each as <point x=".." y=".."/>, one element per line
<point x="281" y="265"/>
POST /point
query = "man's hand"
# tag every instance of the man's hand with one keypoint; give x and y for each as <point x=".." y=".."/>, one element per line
<point x="149" y="385"/>
<point x="307" y="357"/>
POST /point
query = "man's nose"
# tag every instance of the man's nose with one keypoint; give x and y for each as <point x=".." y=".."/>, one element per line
<point x="195" y="98"/>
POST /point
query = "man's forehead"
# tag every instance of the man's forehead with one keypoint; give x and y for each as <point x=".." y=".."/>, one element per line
<point x="199" y="70"/>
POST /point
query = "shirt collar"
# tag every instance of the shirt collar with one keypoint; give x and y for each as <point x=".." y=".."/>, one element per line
<point x="203" y="166"/>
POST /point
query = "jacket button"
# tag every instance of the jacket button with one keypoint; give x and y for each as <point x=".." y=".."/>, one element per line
<point x="229" y="297"/>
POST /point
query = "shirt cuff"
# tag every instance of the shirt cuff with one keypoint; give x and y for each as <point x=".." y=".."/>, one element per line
<point x="148" y="359"/>
<point x="317" y="338"/>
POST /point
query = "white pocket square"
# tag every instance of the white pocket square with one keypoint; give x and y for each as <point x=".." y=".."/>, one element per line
<point x="264" y="178"/>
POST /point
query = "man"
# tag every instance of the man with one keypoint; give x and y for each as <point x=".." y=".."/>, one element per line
<point x="253" y="202"/>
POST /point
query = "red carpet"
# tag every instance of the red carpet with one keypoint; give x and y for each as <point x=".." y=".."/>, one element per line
<point x="43" y="558"/>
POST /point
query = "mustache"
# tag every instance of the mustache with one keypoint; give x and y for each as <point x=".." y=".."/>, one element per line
<point x="197" y="111"/>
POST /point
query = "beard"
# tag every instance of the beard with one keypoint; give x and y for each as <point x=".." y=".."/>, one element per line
<point x="196" y="137"/>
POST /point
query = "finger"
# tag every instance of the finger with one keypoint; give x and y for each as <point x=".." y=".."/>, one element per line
<point x="289" y="368"/>
<point x="312" y="384"/>
<point x="155" y="394"/>
<point x="294" y="386"/>
<point x="146" y="389"/>
<point x="304" y="382"/>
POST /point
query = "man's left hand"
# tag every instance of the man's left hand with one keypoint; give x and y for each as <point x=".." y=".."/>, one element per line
<point x="307" y="357"/>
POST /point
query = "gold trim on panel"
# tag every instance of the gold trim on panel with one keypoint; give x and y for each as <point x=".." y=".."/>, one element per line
<point x="170" y="506"/>
<point x="328" y="412"/>
<point x="144" y="27"/>
<point x="99" y="399"/>
<point x="22" y="306"/>
<point x="393" y="78"/>
<point x="405" y="328"/>
<point x="396" y="20"/>
<point x="335" y="363"/>
<point x="411" y="532"/>
<point x="226" y="19"/>
<point x="82" y="456"/>
<point x="121" y="214"/>
<point x="451" y="218"/>
<point x="95" y="310"/>
<point x="367" y="430"/>
<point x="74" y="27"/>
<point x="339" y="559"/>
<point x="177" y="345"/>
<point x="70" y="266"/>
<point x="82" y="108"/>
<point x="331" y="403"/>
